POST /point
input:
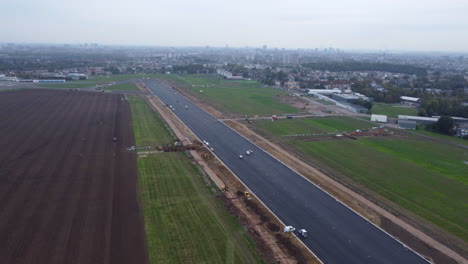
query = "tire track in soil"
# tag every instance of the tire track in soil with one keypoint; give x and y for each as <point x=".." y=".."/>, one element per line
<point x="72" y="216"/>
<point x="126" y="197"/>
<point x="101" y="190"/>
<point x="72" y="206"/>
<point x="58" y="210"/>
<point x="16" y="190"/>
<point x="39" y="190"/>
<point x="88" y="220"/>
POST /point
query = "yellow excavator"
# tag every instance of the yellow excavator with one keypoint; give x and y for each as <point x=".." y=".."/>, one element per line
<point x="225" y="188"/>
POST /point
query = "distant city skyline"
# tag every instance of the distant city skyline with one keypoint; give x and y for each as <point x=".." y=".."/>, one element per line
<point x="350" y="25"/>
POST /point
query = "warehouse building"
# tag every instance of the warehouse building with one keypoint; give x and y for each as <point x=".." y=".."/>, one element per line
<point x="379" y="118"/>
<point x="77" y="76"/>
<point x="410" y="122"/>
<point x="411" y="101"/>
<point x="8" y="79"/>
<point x="324" y="91"/>
<point x="49" y="81"/>
<point x="349" y="98"/>
<point x="353" y="108"/>
<point x="462" y="131"/>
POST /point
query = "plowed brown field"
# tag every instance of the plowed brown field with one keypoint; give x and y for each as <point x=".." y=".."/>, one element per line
<point x="68" y="194"/>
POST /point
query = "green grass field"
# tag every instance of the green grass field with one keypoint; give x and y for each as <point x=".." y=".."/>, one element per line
<point x="425" y="177"/>
<point x="317" y="125"/>
<point x="392" y="110"/>
<point x="185" y="223"/>
<point x="122" y="87"/>
<point x="11" y="90"/>
<point x="232" y="96"/>
<point x="442" y="136"/>
<point x="229" y="96"/>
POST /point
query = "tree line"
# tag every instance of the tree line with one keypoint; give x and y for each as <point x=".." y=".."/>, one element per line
<point x="431" y="106"/>
<point x="365" y="66"/>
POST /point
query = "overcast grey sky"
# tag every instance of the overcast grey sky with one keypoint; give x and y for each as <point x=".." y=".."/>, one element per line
<point x="355" y="24"/>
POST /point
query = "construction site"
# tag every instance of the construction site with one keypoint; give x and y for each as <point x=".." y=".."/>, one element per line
<point x="262" y="226"/>
<point x="340" y="188"/>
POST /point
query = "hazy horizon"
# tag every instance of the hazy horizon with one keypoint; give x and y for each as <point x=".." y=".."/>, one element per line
<point x="358" y="25"/>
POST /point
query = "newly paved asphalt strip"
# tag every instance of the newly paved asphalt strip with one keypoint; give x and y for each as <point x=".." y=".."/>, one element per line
<point x="336" y="234"/>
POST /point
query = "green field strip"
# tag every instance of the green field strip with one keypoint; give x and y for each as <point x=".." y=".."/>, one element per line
<point x="423" y="176"/>
<point x="185" y="223"/>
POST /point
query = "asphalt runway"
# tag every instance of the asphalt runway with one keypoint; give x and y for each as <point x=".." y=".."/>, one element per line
<point x="336" y="234"/>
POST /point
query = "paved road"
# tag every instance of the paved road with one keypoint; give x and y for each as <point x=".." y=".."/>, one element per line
<point x="336" y="234"/>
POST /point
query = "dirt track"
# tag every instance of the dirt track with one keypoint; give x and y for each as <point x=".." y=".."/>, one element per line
<point x="68" y="194"/>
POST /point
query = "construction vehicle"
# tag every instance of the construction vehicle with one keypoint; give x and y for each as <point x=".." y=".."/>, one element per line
<point x="302" y="233"/>
<point x="177" y="146"/>
<point x="225" y="188"/>
<point x="351" y="135"/>
<point x="247" y="195"/>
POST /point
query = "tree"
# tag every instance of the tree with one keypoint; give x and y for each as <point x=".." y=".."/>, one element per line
<point x="445" y="124"/>
<point x="366" y="104"/>
<point x="282" y="76"/>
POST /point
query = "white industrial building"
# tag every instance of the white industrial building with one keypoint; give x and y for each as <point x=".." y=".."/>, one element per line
<point x="9" y="79"/>
<point x="413" y="101"/>
<point x="409" y="99"/>
<point x="77" y="76"/>
<point x="379" y="118"/>
<point x="352" y="107"/>
<point x="228" y="75"/>
<point x="410" y="122"/>
<point x="324" y="91"/>
<point x="49" y="81"/>
<point x="350" y="98"/>
<point x="324" y="98"/>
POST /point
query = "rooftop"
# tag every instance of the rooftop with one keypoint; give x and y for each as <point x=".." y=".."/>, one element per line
<point x="421" y="118"/>
<point x="411" y="99"/>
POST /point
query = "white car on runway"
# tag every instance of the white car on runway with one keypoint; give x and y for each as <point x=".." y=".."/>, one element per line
<point x="302" y="233"/>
